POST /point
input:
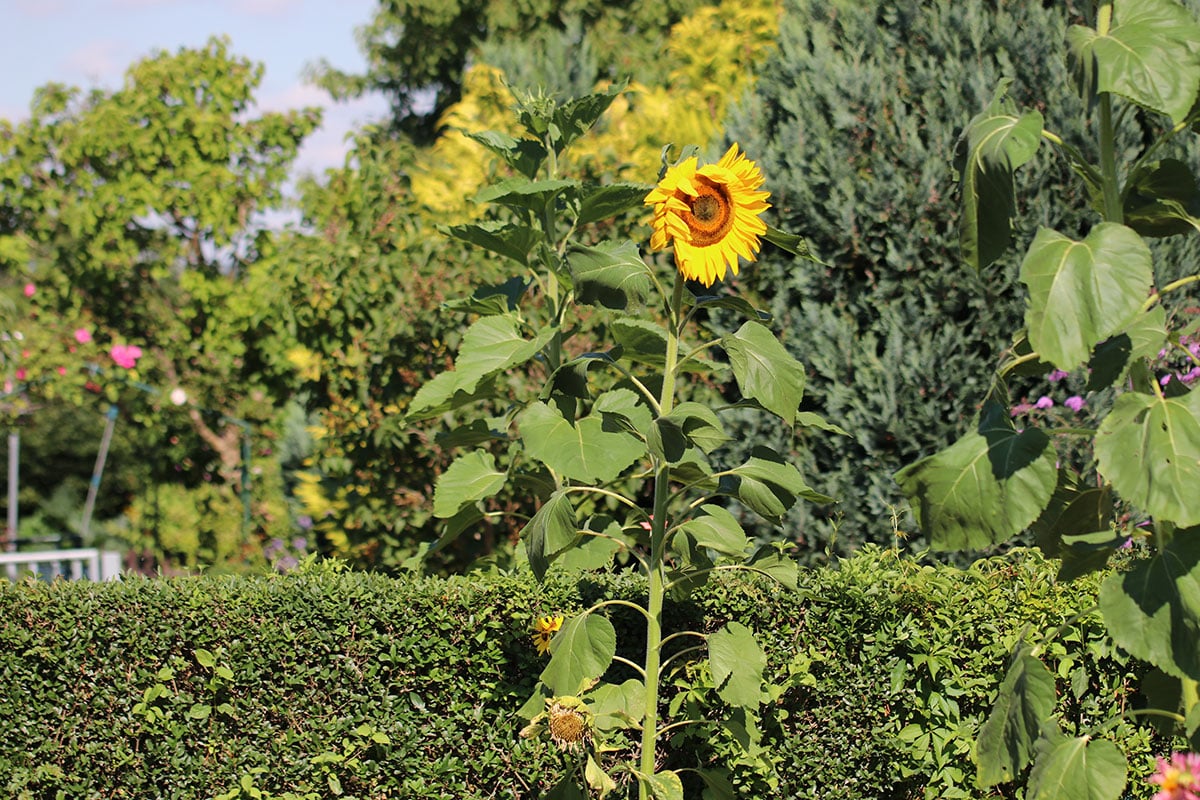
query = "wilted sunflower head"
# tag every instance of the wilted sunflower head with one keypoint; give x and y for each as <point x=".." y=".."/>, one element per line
<point x="710" y="213"/>
<point x="570" y="723"/>
<point x="544" y="629"/>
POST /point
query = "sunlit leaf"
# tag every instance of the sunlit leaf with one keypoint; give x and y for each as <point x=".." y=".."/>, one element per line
<point x="580" y="653"/>
<point x="986" y="487"/>
<point x="1153" y="611"/>
<point x="611" y="199"/>
<point x="737" y="664"/>
<point x="1082" y="292"/>
<point x="1142" y="338"/>
<point x="510" y="241"/>
<point x="666" y="786"/>
<point x="611" y="274"/>
<point x="717" y="529"/>
<point x="618" y="706"/>
<point x="1149" y="56"/>
<point x="584" y="449"/>
<point x="1149" y="447"/>
<point x="765" y="370"/>
<point x="768" y="485"/>
<point x="994" y="144"/>
<point x="1076" y="768"/>
<point x="472" y="477"/>
<point x="700" y="425"/>
<point x="523" y="155"/>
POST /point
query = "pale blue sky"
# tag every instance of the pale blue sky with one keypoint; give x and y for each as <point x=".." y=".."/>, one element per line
<point x="90" y="43"/>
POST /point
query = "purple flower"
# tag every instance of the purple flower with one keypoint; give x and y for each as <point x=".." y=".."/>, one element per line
<point x="1179" y="777"/>
<point x="1074" y="402"/>
<point x="125" y="355"/>
<point x="1057" y="375"/>
<point x="1165" y="379"/>
<point x="1190" y="375"/>
<point x="1044" y="402"/>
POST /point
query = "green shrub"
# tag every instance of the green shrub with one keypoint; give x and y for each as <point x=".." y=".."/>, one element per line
<point x="321" y="681"/>
<point x="854" y="123"/>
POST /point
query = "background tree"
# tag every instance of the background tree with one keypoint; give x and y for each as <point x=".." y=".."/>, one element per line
<point x="137" y="215"/>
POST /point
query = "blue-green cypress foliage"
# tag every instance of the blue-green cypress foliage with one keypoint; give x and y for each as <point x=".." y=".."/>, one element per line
<point x="854" y="124"/>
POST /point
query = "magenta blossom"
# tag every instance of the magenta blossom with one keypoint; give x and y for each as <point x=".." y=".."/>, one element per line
<point x="83" y="335"/>
<point x="125" y="355"/>
<point x="1074" y="402"/>
<point x="30" y="290"/>
<point x="1179" y="777"/>
<point x="1057" y="375"/>
<point x="1044" y="402"/>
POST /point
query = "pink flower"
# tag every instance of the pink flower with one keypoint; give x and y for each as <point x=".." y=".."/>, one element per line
<point x="1056" y="376"/>
<point x="1044" y="402"/>
<point x="21" y="373"/>
<point x="1074" y="402"/>
<point x="62" y="370"/>
<point x="1020" y="408"/>
<point x="125" y="355"/>
<point x="30" y="290"/>
<point x="83" y="335"/>
<point x="1179" y="777"/>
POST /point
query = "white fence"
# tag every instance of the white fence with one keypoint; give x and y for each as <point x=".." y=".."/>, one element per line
<point x="83" y="563"/>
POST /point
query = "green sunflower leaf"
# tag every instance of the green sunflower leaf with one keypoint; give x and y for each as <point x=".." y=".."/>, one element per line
<point x="550" y="530"/>
<point x="472" y="477"/>
<point x="611" y="274"/>
<point x="737" y="664"/>
<point x="765" y="370"/>
<point x="580" y="653"/>
<point x="612" y="199"/>
<point x="1007" y="739"/>
<point x="589" y="449"/>
<point x="1076" y="768"/>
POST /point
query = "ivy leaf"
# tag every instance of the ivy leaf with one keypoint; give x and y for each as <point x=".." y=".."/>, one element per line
<point x="587" y="449"/>
<point x="1006" y="739"/>
<point x="611" y="274"/>
<point x="765" y="370"/>
<point x="737" y="664"/>
<point x="1149" y="447"/>
<point x="1148" y="56"/>
<point x="994" y="144"/>
<point x="550" y="530"/>
<point x="986" y="487"/>
<point x="1076" y="768"/>
<point x="472" y="477"/>
<point x="1080" y="293"/>
<point x="580" y="653"/>
<point x="1153" y="611"/>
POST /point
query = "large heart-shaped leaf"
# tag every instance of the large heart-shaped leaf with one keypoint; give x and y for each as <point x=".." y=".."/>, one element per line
<point x="986" y="487"/>
<point x="1007" y="738"/>
<point x="737" y="664"/>
<point x="716" y="528"/>
<point x="611" y="274"/>
<point x="1076" y="768"/>
<point x="1080" y="293"/>
<point x="580" y="653"/>
<point x="768" y="485"/>
<point x="1149" y="56"/>
<point x="588" y="449"/>
<point x="491" y="345"/>
<point x="1149" y="447"/>
<point x="472" y="477"/>
<point x="765" y="371"/>
<point x="994" y="144"/>
<point x="549" y="531"/>
<point x="1153" y="611"/>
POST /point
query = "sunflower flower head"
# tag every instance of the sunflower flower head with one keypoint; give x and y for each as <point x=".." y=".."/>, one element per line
<point x="570" y="723"/>
<point x="1178" y="778"/>
<point x="710" y="213"/>
<point x="544" y="629"/>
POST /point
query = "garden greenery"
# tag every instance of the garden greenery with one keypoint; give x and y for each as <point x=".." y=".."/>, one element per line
<point x="329" y="683"/>
<point x="1094" y="308"/>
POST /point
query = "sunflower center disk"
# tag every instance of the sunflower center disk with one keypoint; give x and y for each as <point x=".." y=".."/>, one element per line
<point x="712" y="214"/>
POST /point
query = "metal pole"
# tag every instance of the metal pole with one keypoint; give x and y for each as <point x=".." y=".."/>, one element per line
<point x="94" y="486"/>
<point x="14" y="463"/>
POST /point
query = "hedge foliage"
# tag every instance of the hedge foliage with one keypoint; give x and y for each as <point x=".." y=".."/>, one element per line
<point x="330" y="683"/>
<point x="854" y="124"/>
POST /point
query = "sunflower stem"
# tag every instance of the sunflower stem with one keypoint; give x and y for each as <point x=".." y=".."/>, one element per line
<point x="656" y="566"/>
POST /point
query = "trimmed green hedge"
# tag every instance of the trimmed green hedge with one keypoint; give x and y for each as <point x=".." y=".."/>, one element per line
<point x="325" y="682"/>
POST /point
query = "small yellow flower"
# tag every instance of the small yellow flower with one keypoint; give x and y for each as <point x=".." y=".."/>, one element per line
<point x="544" y="629"/>
<point x="711" y="214"/>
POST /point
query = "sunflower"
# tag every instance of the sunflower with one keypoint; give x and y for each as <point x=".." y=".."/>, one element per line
<point x="544" y="629"/>
<point x="711" y="213"/>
